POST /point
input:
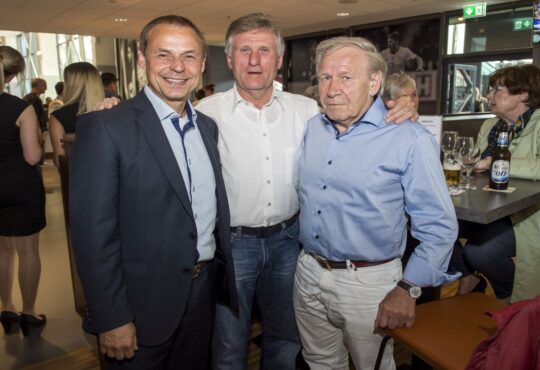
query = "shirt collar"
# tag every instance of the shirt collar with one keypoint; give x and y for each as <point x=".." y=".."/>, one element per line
<point x="276" y="96"/>
<point x="375" y="116"/>
<point x="165" y="111"/>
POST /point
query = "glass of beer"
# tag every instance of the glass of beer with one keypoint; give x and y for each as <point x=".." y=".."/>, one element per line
<point x="451" y="166"/>
<point x="452" y="171"/>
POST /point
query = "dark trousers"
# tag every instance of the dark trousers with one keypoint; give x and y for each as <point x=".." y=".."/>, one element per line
<point x="189" y="347"/>
<point x="489" y="250"/>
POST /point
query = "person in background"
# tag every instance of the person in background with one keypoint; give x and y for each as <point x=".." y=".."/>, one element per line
<point x="397" y="57"/>
<point x="514" y="97"/>
<point x="261" y="133"/>
<point x="199" y="95"/>
<point x="38" y="86"/>
<point x="110" y="85"/>
<point x="58" y="102"/>
<point x="360" y="180"/>
<point x="83" y="89"/>
<point x="149" y="213"/>
<point x="397" y="85"/>
<point x="209" y="89"/>
<point x="22" y="201"/>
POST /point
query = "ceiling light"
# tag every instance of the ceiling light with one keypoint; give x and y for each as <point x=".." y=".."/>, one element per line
<point x="120" y="19"/>
<point x="343" y="14"/>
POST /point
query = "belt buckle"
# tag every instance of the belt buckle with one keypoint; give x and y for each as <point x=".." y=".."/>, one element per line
<point x="323" y="262"/>
<point x="197" y="270"/>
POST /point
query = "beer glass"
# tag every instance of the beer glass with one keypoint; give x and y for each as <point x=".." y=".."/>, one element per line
<point x="451" y="166"/>
<point x="468" y="156"/>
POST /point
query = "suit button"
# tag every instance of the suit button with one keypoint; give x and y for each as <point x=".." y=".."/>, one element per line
<point x="186" y="271"/>
<point x="192" y="236"/>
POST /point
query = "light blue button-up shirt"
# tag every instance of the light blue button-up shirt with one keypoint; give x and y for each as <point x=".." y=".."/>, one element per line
<point x="196" y="170"/>
<point x="357" y="188"/>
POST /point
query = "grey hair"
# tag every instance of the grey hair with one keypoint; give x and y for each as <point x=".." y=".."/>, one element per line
<point x="396" y="82"/>
<point x="250" y="22"/>
<point x="376" y="61"/>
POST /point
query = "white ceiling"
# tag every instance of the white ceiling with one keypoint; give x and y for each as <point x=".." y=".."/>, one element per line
<point x="97" y="17"/>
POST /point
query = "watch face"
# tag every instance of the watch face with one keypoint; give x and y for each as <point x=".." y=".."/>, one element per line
<point x="415" y="292"/>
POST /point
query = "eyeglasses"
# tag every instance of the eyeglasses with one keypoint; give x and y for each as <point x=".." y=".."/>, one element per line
<point x="414" y="94"/>
<point x="495" y="89"/>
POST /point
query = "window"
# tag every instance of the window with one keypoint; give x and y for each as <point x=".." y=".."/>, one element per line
<point x="475" y="48"/>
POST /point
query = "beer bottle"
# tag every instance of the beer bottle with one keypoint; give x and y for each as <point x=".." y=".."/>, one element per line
<point x="500" y="164"/>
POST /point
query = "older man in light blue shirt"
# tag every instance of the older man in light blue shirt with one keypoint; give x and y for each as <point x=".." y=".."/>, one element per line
<point x="360" y="181"/>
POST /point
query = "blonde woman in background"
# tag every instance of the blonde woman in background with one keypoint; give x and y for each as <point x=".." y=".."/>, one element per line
<point x="22" y="201"/>
<point x="82" y="90"/>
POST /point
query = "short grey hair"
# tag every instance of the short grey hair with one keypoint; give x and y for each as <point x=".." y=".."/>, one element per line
<point x="250" y="22"/>
<point x="395" y="83"/>
<point x="376" y="61"/>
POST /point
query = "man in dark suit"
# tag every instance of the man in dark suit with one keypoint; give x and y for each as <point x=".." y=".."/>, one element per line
<point x="149" y="213"/>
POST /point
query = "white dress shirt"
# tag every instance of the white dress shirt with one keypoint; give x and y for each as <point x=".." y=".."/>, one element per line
<point x="259" y="151"/>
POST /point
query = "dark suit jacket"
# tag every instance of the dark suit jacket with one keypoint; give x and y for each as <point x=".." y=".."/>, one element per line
<point x="132" y="226"/>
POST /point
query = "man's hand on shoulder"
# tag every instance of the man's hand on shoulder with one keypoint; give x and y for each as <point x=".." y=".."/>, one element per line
<point x="396" y="310"/>
<point x="119" y="343"/>
<point x="402" y="109"/>
<point x="106" y="103"/>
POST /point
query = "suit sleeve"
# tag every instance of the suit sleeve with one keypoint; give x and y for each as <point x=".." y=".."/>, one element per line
<point x="94" y="200"/>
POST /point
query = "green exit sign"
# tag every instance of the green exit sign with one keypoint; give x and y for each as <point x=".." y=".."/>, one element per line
<point x="474" y="10"/>
<point x="522" y="24"/>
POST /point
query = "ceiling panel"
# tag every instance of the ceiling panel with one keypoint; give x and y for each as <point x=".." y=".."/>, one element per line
<point x="96" y="17"/>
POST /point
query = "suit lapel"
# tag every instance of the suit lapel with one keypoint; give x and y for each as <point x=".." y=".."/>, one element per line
<point x="150" y="124"/>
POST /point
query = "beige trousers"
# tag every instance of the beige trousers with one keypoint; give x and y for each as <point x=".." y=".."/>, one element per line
<point x="335" y="312"/>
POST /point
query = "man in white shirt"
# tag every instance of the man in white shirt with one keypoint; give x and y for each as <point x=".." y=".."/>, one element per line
<point x="261" y="132"/>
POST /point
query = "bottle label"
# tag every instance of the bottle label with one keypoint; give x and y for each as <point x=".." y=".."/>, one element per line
<point x="500" y="171"/>
<point x="502" y="140"/>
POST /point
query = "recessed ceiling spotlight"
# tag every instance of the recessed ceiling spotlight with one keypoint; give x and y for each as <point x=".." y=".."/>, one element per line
<point x="120" y="19"/>
<point x="343" y="14"/>
<point x="347" y="1"/>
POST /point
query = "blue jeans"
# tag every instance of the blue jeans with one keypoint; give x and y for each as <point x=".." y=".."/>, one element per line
<point x="264" y="269"/>
<point x="489" y="250"/>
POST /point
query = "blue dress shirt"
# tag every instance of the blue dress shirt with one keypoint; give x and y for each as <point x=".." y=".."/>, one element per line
<point x="357" y="189"/>
<point x="196" y="168"/>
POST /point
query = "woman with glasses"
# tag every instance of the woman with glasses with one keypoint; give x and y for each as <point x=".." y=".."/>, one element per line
<point x="514" y="97"/>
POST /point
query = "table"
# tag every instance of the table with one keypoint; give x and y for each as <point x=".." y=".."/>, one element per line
<point x="483" y="207"/>
<point x="446" y="332"/>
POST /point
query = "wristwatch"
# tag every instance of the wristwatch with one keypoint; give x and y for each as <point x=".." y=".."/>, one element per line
<point x="414" y="291"/>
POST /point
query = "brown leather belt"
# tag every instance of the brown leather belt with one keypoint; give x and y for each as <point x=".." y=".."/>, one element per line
<point x="199" y="268"/>
<point x="265" y="231"/>
<point x="340" y="265"/>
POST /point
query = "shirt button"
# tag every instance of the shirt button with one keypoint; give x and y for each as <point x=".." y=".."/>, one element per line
<point x="316" y="236"/>
<point x="324" y="187"/>
<point x="264" y="134"/>
<point x="267" y="158"/>
<point x="269" y="204"/>
<point x="268" y="181"/>
<point x="329" y="162"/>
<point x="319" y="212"/>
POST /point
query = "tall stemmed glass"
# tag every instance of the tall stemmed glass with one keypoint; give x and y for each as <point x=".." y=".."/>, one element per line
<point x="450" y="164"/>
<point x="469" y="156"/>
<point x="448" y="143"/>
